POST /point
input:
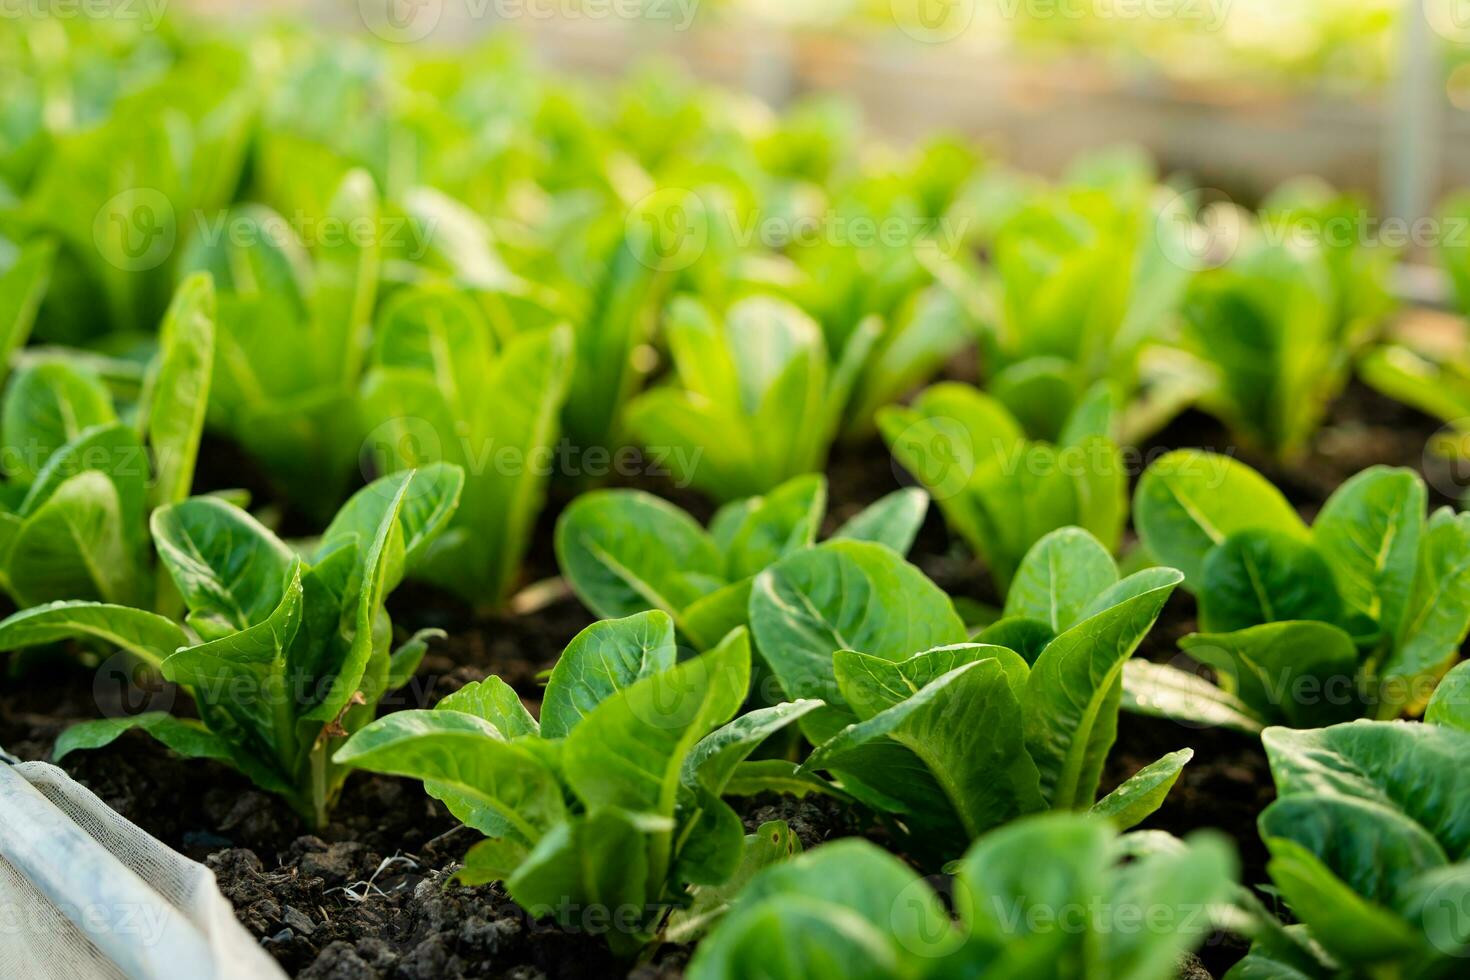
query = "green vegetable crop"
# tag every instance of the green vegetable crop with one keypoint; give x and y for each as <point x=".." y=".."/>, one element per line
<point x="757" y="400"/>
<point x="1266" y="328"/>
<point x="285" y="654"/>
<point x="1370" y="846"/>
<point x="626" y="551"/>
<point x="80" y="480"/>
<point x="1084" y="278"/>
<point x="293" y="331"/>
<point x="613" y="797"/>
<point x="1047" y="897"/>
<point x="1360" y="613"/>
<point x="950" y="737"/>
<point x="288" y="320"/>
<point x="1000" y="490"/>
<point x="442" y="388"/>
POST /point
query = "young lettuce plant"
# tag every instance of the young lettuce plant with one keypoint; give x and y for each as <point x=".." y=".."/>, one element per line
<point x="844" y="278"/>
<point x="851" y="285"/>
<point x="600" y="266"/>
<point x="1308" y="210"/>
<point x="613" y="799"/>
<point x="1359" y="613"/>
<point x="1000" y="490"/>
<point x="295" y="415"/>
<point x="285" y="654"/>
<point x="1265" y="329"/>
<point x="614" y="314"/>
<point x="1050" y="896"/>
<point x="130" y="153"/>
<point x="626" y="551"/>
<point x="598" y="275"/>
<point x="916" y="340"/>
<point x="1370" y="846"/>
<point x="756" y="400"/>
<point x="952" y="738"/>
<point x="1084" y="280"/>
<point x="441" y="387"/>
<point x="80" y="481"/>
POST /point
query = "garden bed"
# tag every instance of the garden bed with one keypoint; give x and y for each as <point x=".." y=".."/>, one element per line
<point x="370" y="896"/>
<point x="508" y="531"/>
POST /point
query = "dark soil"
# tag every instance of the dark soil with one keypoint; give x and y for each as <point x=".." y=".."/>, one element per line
<point x="370" y="898"/>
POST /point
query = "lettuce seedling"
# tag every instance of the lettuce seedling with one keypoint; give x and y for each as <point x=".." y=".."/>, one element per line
<point x="952" y="737"/>
<point x="1000" y="490"/>
<point x="626" y="551"/>
<point x="79" y="480"/>
<point x="601" y="266"/>
<point x="294" y="414"/>
<point x="1060" y="895"/>
<point x="851" y="282"/>
<point x="1359" y="613"/>
<point x="1266" y="329"/>
<point x="613" y="799"/>
<point x="132" y="147"/>
<point x="441" y="387"/>
<point x="1370" y="846"/>
<point x="285" y="654"/>
<point x="610" y="298"/>
<point x="602" y="274"/>
<point x="1308" y="211"/>
<point x="756" y="401"/>
<point x="916" y="339"/>
<point x="1084" y="278"/>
